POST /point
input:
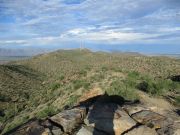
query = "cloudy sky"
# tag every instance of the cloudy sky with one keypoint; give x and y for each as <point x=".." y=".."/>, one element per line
<point x="135" y="25"/>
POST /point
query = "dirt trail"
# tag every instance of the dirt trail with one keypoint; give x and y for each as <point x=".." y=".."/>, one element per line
<point x="158" y="104"/>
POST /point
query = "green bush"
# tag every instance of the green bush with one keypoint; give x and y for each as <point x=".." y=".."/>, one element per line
<point x="143" y="86"/>
<point x="97" y="77"/>
<point x="47" y="111"/>
<point x="104" y="68"/>
<point x="157" y="86"/>
<point x="4" y="98"/>
<point x="116" y="69"/>
<point x="15" y="123"/>
<point x="83" y="73"/>
<point x="120" y="88"/>
<point x="133" y="74"/>
<point x="81" y="83"/>
<point x="61" y="77"/>
<point x="177" y="99"/>
<point x="72" y="100"/>
<point x="55" y="86"/>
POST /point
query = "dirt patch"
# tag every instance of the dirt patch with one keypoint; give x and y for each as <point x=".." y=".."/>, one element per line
<point x="159" y="104"/>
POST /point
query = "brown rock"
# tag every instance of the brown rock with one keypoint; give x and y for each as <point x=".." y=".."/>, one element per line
<point x="47" y="132"/>
<point x="172" y="129"/>
<point x="149" y="118"/>
<point x="69" y="119"/>
<point x="32" y="127"/>
<point x="130" y="109"/>
<point x="142" y="130"/>
<point x="91" y="94"/>
<point x="109" y="118"/>
<point x="56" y="130"/>
<point x="89" y="131"/>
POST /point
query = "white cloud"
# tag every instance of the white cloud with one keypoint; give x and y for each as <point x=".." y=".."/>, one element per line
<point x="13" y="41"/>
<point x="106" y="35"/>
<point x="169" y="29"/>
<point x="53" y="21"/>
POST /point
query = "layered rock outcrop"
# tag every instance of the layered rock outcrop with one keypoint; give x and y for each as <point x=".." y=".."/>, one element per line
<point x="103" y="115"/>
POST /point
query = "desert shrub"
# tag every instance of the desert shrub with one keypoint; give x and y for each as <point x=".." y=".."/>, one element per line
<point x="61" y="77"/>
<point x="88" y="68"/>
<point x="118" y="87"/>
<point x="157" y="86"/>
<point x="9" y="113"/>
<point x="86" y="85"/>
<point x="72" y="100"/>
<point x="81" y="83"/>
<point x="177" y="100"/>
<point x="150" y="86"/>
<point x="55" y="86"/>
<point x="104" y="68"/>
<point x="97" y="77"/>
<point x="25" y="118"/>
<point x="4" y="98"/>
<point x="131" y="83"/>
<point x="15" y="123"/>
<point x="1" y="119"/>
<point x="133" y="74"/>
<point x="83" y="73"/>
<point x="116" y="69"/>
<point x="47" y="111"/>
<point x="143" y="86"/>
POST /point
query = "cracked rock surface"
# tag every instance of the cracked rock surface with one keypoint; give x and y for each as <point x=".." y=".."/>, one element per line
<point x="104" y="115"/>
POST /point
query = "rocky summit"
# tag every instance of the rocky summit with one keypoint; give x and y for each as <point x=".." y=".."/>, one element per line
<point x="103" y="115"/>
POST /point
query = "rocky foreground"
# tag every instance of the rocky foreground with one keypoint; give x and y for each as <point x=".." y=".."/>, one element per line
<point x="105" y="115"/>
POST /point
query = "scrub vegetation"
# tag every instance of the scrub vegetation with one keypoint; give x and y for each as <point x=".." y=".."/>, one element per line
<point x="45" y="84"/>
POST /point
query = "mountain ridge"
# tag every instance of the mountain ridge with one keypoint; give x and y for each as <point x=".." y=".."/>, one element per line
<point x="50" y="82"/>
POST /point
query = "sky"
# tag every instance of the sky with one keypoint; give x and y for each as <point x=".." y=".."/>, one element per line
<point x="149" y="26"/>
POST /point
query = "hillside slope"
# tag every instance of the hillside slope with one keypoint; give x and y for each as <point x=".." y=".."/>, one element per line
<point x="47" y="83"/>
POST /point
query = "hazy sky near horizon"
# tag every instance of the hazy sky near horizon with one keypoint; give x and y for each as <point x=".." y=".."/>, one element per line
<point x="111" y="22"/>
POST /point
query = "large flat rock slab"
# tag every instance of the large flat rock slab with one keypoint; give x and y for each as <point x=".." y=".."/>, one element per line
<point x="132" y="109"/>
<point x="109" y="118"/>
<point x="142" y="130"/>
<point x="150" y="118"/>
<point x="69" y="119"/>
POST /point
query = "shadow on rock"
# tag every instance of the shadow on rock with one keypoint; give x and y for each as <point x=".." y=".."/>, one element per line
<point x="106" y="116"/>
<point x="177" y="112"/>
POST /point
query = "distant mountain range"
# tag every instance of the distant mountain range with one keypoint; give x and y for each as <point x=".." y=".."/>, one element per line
<point x="22" y="52"/>
<point x="8" y="52"/>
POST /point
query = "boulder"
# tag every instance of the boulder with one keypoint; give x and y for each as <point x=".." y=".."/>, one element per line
<point x="109" y="118"/>
<point x="173" y="129"/>
<point x="89" y="97"/>
<point x="177" y="132"/>
<point x="84" y="131"/>
<point x="150" y="118"/>
<point x="69" y="119"/>
<point x="56" y="130"/>
<point x="132" y="109"/>
<point x="32" y="127"/>
<point x="47" y="132"/>
<point x="91" y="93"/>
<point x="142" y="130"/>
<point x="89" y="131"/>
